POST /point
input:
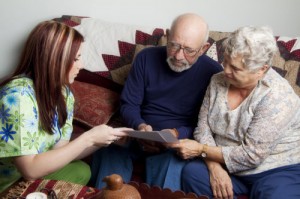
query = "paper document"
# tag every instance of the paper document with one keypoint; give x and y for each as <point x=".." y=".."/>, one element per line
<point x="159" y="136"/>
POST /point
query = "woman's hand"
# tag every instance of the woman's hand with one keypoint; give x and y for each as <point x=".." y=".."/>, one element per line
<point x="187" y="148"/>
<point x="104" y="135"/>
<point x="122" y="141"/>
<point x="220" y="181"/>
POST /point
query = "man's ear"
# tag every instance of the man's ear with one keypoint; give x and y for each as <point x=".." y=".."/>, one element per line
<point x="168" y="33"/>
<point x="204" y="48"/>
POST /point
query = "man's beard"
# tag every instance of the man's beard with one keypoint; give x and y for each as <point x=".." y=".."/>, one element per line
<point x="178" y="69"/>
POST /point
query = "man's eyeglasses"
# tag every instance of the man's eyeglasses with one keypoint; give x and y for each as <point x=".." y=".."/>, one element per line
<point x="174" y="47"/>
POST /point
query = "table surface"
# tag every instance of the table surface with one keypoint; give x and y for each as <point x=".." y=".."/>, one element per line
<point x="68" y="190"/>
<point x="62" y="189"/>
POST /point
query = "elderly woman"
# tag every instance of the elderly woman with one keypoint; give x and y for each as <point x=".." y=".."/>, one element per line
<point x="248" y="133"/>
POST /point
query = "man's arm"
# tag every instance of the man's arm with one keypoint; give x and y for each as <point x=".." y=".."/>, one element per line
<point x="132" y="96"/>
<point x="185" y="132"/>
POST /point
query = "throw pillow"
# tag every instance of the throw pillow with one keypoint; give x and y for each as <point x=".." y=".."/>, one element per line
<point x="94" y="105"/>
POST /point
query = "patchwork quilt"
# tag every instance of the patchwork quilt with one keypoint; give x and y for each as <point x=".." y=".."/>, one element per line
<point x="111" y="47"/>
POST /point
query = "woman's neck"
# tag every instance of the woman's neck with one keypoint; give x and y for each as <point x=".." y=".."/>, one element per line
<point x="244" y="92"/>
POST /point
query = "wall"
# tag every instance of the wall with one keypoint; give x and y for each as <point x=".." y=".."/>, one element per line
<point x="18" y="17"/>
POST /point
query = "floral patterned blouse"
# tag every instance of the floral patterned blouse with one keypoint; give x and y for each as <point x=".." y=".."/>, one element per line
<point x="262" y="133"/>
<point x="20" y="131"/>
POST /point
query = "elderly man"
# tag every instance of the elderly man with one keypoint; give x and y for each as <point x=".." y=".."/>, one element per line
<point x="164" y="90"/>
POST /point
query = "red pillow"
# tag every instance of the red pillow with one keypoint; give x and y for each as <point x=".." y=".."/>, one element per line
<point x="94" y="104"/>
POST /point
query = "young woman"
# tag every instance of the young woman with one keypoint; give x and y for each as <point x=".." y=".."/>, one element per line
<point x="36" y="111"/>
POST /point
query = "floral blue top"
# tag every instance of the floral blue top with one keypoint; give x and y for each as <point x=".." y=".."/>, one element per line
<point x="262" y="133"/>
<point x="20" y="130"/>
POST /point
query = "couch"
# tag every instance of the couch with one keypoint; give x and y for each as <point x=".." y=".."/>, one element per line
<point x="109" y="51"/>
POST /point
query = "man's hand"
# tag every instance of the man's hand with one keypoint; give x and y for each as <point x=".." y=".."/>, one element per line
<point x="220" y="181"/>
<point x="149" y="146"/>
<point x="145" y="127"/>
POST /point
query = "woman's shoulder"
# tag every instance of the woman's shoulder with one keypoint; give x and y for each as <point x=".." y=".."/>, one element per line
<point x="18" y="85"/>
<point x="218" y="78"/>
<point x="277" y="88"/>
<point x="276" y="82"/>
<point x="20" y="81"/>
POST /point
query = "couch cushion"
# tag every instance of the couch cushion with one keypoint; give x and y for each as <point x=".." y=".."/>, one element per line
<point x="94" y="104"/>
<point x="288" y="60"/>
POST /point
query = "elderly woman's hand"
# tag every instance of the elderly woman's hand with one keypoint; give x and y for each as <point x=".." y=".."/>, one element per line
<point x="187" y="148"/>
<point x="220" y="181"/>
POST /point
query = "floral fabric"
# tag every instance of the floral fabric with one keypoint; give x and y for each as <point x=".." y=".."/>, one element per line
<point x="262" y="133"/>
<point x="20" y="130"/>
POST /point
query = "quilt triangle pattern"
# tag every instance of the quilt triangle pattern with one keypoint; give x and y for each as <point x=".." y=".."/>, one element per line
<point x="215" y="51"/>
<point x="289" y="48"/>
<point x="127" y="51"/>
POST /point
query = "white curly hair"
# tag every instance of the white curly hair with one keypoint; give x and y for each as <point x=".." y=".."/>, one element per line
<point x="257" y="46"/>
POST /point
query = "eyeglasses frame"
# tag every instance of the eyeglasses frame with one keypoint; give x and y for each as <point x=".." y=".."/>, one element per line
<point x="179" y="47"/>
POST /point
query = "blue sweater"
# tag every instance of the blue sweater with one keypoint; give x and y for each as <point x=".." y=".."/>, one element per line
<point x="162" y="98"/>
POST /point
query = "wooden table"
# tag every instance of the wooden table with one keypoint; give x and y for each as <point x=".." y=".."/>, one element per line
<point x="156" y="192"/>
<point x="66" y="190"/>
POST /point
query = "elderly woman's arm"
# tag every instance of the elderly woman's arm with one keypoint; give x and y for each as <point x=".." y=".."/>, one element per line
<point x="203" y="133"/>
